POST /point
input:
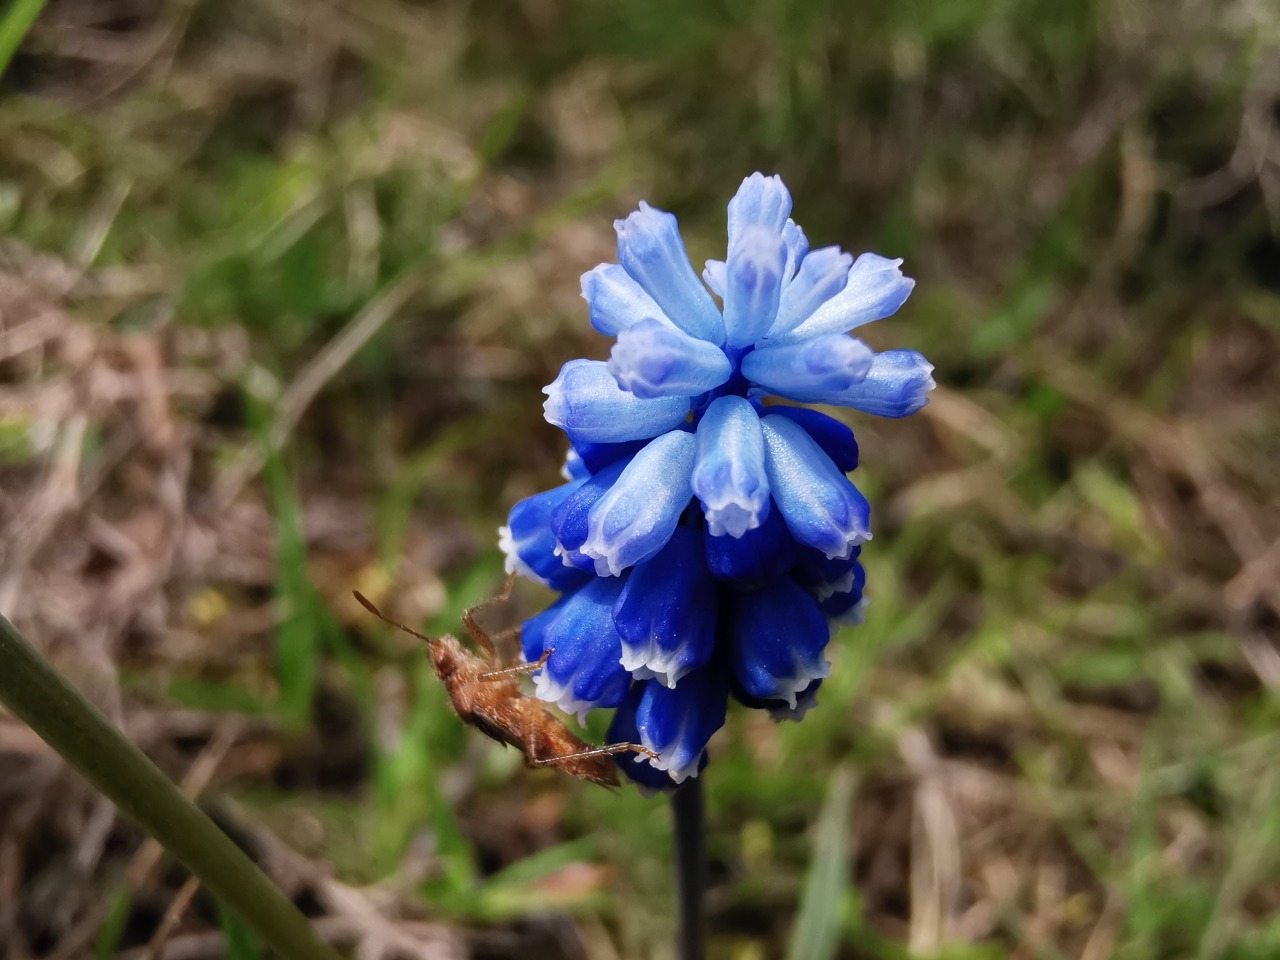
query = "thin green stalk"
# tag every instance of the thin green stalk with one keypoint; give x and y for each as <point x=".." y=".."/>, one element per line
<point x="44" y="700"/>
<point x="689" y="830"/>
<point x="14" y="25"/>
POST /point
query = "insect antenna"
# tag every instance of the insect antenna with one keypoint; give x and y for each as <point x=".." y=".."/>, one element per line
<point x="368" y="605"/>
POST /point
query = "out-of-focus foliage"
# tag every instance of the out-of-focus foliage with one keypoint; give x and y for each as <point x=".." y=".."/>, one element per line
<point x="281" y="281"/>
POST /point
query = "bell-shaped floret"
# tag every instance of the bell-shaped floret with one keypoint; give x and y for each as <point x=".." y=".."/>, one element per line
<point x="760" y="202"/>
<point x="571" y="519"/>
<point x="875" y="289"/>
<point x="776" y="638"/>
<point x="596" y="456"/>
<point x="586" y="402"/>
<point x="821" y="507"/>
<point x="616" y="301"/>
<point x="652" y="359"/>
<point x="635" y="518"/>
<point x="634" y="766"/>
<point x="811" y="371"/>
<point x="823" y="273"/>
<point x="897" y="385"/>
<point x="677" y="723"/>
<point x="533" y="632"/>
<point x="583" y="671"/>
<point x="666" y="614"/>
<point x="529" y="543"/>
<point x="651" y="249"/>
<point x="729" y="474"/>
<point x="756" y="557"/>
<point x="835" y="438"/>
<point x="754" y="284"/>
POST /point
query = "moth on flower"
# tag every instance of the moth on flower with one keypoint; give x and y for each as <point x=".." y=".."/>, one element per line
<point x="707" y="543"/>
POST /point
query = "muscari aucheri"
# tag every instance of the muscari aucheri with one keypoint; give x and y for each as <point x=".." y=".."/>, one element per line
<point x="707" y="542"/>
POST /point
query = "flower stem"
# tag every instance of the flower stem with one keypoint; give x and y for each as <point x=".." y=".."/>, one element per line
<point x="44" y="700"/>
<point x="689" y="818"/>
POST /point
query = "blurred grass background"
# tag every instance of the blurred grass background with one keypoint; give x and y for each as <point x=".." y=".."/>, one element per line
<point x="280" y="282"/>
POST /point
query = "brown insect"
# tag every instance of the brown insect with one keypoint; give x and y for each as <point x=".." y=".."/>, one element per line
<point x="487" y="696"/>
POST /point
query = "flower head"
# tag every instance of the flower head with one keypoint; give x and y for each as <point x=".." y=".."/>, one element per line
<point x="708" y="540"/>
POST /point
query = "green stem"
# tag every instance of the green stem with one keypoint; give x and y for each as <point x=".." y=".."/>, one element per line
<point x="44" y="700"/>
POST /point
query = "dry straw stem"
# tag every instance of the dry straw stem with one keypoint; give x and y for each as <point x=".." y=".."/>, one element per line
<point x="64" y="719"/>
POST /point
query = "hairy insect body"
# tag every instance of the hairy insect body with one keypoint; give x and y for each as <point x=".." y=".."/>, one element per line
<point x="488" y="697"/>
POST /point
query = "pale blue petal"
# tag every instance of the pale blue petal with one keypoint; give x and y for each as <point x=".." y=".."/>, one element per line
<point x="729" y="473"/>
<point x="835" y="438"/>
<point x="652" y="359"/>
<point x="756" y="264"/>
<point x="760" y="202"/>
<point x="823" y="274"/>
<point x="652" y="251"/>
<point x="616" y="301"/>
<point x="715" y="275"/>
<point x="819" y="504"/>
<point x="811" y="371"/>
<point x="897" y="385"/>
<point x="634" y="520"/>
<point x="586" y="402"/>
<point x="876" y="289"/>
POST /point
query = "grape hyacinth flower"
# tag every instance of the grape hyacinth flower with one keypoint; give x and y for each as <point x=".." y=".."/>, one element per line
<point x="707" y="543"/>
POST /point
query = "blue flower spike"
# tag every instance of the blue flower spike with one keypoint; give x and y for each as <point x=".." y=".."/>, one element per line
<point x="708" y="540"/>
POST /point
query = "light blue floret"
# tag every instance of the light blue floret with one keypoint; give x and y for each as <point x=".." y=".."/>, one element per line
<point x="811" y="371"/>
<point x="897" y="385"/>
<point x="652" y="360"/>
<point x="633" y="521"/>
<point x="729" y="475"/>
<point x="616" y="301"/>
<point x="760" y="202"/>
<point x="819" y="504"/>
<point x="753" y="285"/>
<point x="586" y="402"/>
<point x="823" y="274"/>
<point x="875" y="289"/>
<point x="651" y="250"/>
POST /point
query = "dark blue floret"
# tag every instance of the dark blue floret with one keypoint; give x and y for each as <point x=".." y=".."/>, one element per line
<point x="755" y="558"/>
<point x="569" y="520"/>
<point x="776" y="636"/>
<point x="666" y="614"/>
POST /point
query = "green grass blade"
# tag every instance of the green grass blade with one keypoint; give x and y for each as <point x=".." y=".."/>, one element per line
<point x="43" y="699"/>
<point x="817" y="930"/>
<point x="14" y="26"/>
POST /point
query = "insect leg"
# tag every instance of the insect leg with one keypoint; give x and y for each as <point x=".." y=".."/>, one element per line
<point x="477" y="632"/>
<point x="606" y="750"/>
<point x="531" y="667"/>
